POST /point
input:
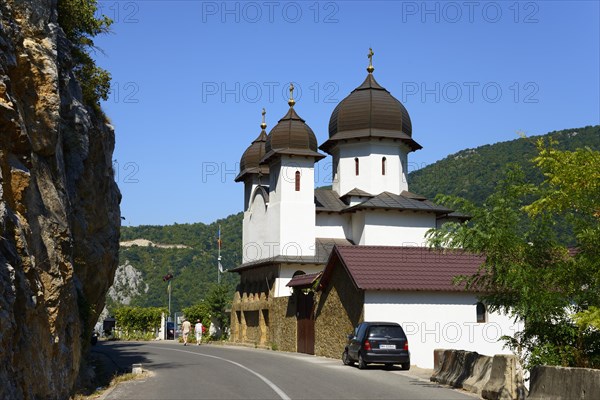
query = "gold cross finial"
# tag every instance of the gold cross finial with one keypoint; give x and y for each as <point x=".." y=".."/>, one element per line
<point x="263" y="126"/>
<point x="370" y="68"/>
<point x="291" y="101"/>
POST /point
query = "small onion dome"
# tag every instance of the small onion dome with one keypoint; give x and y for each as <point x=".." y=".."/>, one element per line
<point x="250" y="161"/>
<point x="291" y="136"/>
<point x="370" y="111"/>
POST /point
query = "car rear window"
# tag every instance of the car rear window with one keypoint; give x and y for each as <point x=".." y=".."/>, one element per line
<point x="386" y="331"/>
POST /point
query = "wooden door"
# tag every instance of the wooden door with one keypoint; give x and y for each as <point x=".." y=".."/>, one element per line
<point x="305" y="323"/>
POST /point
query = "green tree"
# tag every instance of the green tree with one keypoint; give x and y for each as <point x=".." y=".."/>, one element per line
<point x="200" y="311"/>
<point x="527" y="273"/>
<point x="78" y="20"/>
<point x="218" y="300"/>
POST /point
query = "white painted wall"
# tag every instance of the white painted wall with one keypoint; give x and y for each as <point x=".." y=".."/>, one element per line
<point x="336" y="226"/>
<point x="251" y="181"/>
<point x="291" y="213"/>
<point x="392" y="228"/>
<point x="286" y="272"/>
<point x="358" y="227"/>
<point x="439" y="320"/>
<point x="370" y="178"/>
<point x="255" y="234"/>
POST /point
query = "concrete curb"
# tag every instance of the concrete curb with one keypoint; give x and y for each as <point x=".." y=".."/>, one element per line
<point x="495" y="377"/>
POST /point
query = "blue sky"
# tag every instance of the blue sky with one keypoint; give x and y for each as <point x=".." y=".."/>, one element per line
<point x="190" y="79"/>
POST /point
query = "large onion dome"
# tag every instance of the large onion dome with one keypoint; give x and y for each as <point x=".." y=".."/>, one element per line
<point x="291" y="136"/>
<point x="250" y="161"/>
<point x="370" y="111"/>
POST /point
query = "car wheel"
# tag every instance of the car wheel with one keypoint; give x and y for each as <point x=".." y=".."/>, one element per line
<point x="405" y="366"/>
<point x="346" y="358"/>
<point x="361" y="363"/>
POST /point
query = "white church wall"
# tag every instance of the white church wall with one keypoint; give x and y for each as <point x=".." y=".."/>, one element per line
<point x="334" y="226"/>
<point x="255" y="235"/>
<point x="370" y="178"/>
<point x="251" y="182"/>
<point x="439" y="320"/>
<point x="358" y="227"/>
<point x="292" y="212"/>
<point x="286" y="273"/>
<point x="392" y="228"/>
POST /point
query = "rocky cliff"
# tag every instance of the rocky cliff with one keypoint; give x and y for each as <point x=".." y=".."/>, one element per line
<point x="59" y="207"/>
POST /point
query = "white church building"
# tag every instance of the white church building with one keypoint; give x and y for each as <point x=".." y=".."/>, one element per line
<point x="318" y="261"/>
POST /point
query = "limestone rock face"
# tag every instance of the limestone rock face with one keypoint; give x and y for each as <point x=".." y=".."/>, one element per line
<point x="59" y="207"/>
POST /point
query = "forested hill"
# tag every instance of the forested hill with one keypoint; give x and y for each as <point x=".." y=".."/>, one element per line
<point x="188" y="251"/>
<point x="474" y="173"/>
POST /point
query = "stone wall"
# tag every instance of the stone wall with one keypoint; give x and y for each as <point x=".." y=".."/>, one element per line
<point x="250" y="318"/>
<point x="339" y="308"/>
<point x="59" y="207"/>
<point x="283" y="323"/>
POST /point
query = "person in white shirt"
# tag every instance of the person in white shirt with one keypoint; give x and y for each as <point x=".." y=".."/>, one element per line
<point x="198" y="330"/>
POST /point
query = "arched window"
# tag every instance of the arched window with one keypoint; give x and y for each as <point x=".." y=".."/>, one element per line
<point x="356" y="166"/>
<point x="297" y="181"/>
<point x="481" y="313"/>
<point x="383" y="166"/>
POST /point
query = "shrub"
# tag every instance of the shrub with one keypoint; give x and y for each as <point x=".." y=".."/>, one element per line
<point x="135" y="323"/>
<point x="78" y="20"/>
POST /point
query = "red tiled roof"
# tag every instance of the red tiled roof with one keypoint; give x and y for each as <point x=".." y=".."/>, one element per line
<point x="403" y="268"/>
<point x="304" y="280"/>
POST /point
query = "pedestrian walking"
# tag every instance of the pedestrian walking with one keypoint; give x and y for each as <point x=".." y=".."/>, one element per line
<point x="186" y="327"/>
<point x="198" y="330"/>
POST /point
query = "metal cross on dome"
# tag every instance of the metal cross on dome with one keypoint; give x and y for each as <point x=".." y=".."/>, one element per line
<point x="291" y="101"/>
<point x="370" y="68"/>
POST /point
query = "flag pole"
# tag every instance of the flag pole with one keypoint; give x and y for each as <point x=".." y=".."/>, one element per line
<point x="219" y="257"/>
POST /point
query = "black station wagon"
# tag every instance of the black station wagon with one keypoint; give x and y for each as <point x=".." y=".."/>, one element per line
<point x="377" y="343"/>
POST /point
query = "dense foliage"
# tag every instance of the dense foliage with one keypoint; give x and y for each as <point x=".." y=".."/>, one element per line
<point x="78" y="20"/>
<point x="528" y="273"/>
<point x="138" y="322"/>
<point x="215" y="305"/>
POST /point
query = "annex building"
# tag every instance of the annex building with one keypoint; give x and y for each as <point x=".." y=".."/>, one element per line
<point x="319" y="261"/>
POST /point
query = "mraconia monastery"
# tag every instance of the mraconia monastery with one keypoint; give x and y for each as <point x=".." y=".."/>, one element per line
<point x="318" y="261"/>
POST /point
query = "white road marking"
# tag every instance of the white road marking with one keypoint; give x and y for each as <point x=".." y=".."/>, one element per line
<point x="273" y="386"/>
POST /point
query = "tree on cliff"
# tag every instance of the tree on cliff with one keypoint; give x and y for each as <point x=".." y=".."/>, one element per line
<point x="527" y="273"/>
<point x="77" y="18"/>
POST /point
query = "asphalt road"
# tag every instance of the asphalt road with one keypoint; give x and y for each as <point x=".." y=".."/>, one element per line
<point x="227" y="372"/>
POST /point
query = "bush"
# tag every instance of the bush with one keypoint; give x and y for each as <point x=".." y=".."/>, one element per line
<point x="137" y="323"/>
<point x="78" y="21"/>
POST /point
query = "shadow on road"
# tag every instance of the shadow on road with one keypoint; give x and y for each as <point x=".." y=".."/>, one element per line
<point x="120" y="356"/>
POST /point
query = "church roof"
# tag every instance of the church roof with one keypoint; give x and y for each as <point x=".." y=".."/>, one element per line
<point x="356" y="192"/>
<point x="370" y="111"/>
<point x="327" y="200"/>
<point x="250" y="161"/>
<point x="404" y="201"/>
<point x="402" y="268"/>
<point x="291" y="136"/>
<point x="323" y="248"/>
